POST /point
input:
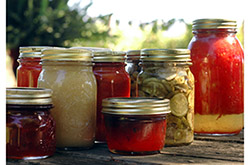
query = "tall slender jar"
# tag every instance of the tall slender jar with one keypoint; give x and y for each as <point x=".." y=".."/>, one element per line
<point x="133" y="68"/>
<point x="30" y="128"/>
<point x="218" y="67"/>
<point x="112" y="81"/>
<point x="29" y="66"/>
<point x="166" y="74"/>
<point x="69" y="73"/>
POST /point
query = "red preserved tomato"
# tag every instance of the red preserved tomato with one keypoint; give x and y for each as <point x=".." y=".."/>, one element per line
<point x="135" y="135"/>
<point x="112" y="81"/>
<point x="28" y="72"/>
<point x="30" y="132"/>
<point x="218" y="66"/>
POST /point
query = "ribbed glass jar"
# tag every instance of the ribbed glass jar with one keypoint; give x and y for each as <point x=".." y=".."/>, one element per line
<point x="69" y="73"/>
<point x="166" y="74"/>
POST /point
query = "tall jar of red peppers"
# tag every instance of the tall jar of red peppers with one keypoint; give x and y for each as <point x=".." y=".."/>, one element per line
<point x="29" y="66"/>
<point x="112" y="81"/>
<point x="218" y="62"/>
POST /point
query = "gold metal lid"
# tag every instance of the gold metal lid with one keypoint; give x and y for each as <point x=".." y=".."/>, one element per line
<point x="214" y="24"/>
<point x="135" y="106"/>
<point x="31" y="51"/>
<point x="66" y="54"/>
<point x="92" y="48"/>
<point x="133" y="54"/>
<point x="109" y="56"/>
<point x="28" y="96"/>
<point x="179" y="55"/>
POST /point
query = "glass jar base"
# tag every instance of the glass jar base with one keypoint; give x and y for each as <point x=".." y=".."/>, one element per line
<point x="73" y="148"/>
<point x="215" y="134"/>
<point x="28" y="157"/>
<point x="134" y="153"/>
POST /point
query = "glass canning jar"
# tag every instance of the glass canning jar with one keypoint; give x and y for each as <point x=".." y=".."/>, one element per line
<point x="29" y="65"/>
<point x="133" y="69"/>
<point x="166" y="74"/>
<point x="69" y="73"/>
<point x="30" y="128"/>
<point x="112" y="81"/>
<point x="135" y="126"/>
<point x="218" y="68"/>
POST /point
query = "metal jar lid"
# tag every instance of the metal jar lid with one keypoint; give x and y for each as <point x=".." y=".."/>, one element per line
<point x="135" y="106"/>
<point x="31" y="51"/>
<point x="28" y="96"/>
<point x="109" y="56"/>
<point x="66" y="54"/>
<point x="214" y="24"/>
<point x="133" y="54"/>
<point x="178" y="55"/>
<point x="92" y="48"/>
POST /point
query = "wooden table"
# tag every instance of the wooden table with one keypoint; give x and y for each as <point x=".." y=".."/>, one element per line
<point x="204" y="150"/>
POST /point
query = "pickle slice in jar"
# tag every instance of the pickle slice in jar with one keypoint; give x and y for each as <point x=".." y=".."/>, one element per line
<point x="179" y="105"/>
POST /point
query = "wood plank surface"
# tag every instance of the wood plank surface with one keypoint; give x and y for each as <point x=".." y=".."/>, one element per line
<point x="204" y="150"/>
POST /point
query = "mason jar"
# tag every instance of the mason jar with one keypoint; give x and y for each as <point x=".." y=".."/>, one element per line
<point x="218" y="66"/>
<point x="135" y="126"/>
<point x="133" y="68"/>
<point x="69" y="73"/>
<point x="29" y="65"/>
<point x="166" y="74"/>
<point x="30" y="127"/>
<point x="112" y="81"/>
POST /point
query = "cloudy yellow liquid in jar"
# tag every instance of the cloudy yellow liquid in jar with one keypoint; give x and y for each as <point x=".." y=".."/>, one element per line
<point x="74" y="98"/>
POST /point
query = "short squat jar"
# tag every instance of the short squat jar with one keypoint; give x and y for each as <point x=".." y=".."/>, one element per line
<point x="29" y="66"/>
<point x="112" y="81"/>
<point x="30" y="128"/>
<point x="133" y="68"/>
<point x="68" y="72"/>
<point x="166" y="74"/>
<point x="135" y="126"/>
<point x="218" y="67"/>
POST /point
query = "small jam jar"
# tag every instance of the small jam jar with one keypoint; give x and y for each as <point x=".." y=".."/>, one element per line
<point x="69" y="73"/>
<point x="218" y="68"/>
<point x="29" y="66"/>
<point x="135" y="126"/>
<point x="30" y="128"/>
<point x="166" y="74"/>
<point x="112" y="81"/>
<point x="133" y="68"/>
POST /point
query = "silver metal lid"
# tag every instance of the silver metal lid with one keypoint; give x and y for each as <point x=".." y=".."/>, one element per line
<point x="214" y="24"/>
<point x="133" y="54"/>
<point x="109" y="56"/>
<point x="31" y="51"/>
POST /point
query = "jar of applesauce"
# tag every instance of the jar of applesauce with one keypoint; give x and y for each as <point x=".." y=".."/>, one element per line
<point x="133" y="68"/>
<point x="29" y="65"/>
<point x="218" y="68"/>
<point x="166" y="74"/>
<point x="68" y="72"/>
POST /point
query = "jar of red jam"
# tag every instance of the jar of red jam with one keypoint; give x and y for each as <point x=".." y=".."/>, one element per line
<point x="135" y="126"/>
<point x="112" y="81"/>
<point x="133" y="68"/>
<point x="218" y="68"/>
<point x="30" y="128"/>
<point x="29" y="66"/>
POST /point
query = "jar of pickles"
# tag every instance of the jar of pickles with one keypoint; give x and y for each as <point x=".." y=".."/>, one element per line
<point x="69" y="73"/>
<point x="30" y="128"/>
<point x="29" y="66"/>
<point x="218" y="67"/>
<point x="135" y="126"/>
<point x="112" y="81"/>
<point x="133" y="69"/>
<point x="166" y="74"/>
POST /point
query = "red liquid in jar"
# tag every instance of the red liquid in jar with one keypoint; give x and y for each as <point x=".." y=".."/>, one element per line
<point x="112" y="81"/>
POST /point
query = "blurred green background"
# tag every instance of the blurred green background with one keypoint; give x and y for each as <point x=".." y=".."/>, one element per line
<point x="55" y="23"/>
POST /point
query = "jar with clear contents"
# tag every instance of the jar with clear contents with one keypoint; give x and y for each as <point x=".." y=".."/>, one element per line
<point x="135" y="126"/>
<point x="68" y="72"/>
<point x="166" y="74"/>
<point x="218" y="66"/>
<point x="133" y="69"/>
<point x="30" y="128"/>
